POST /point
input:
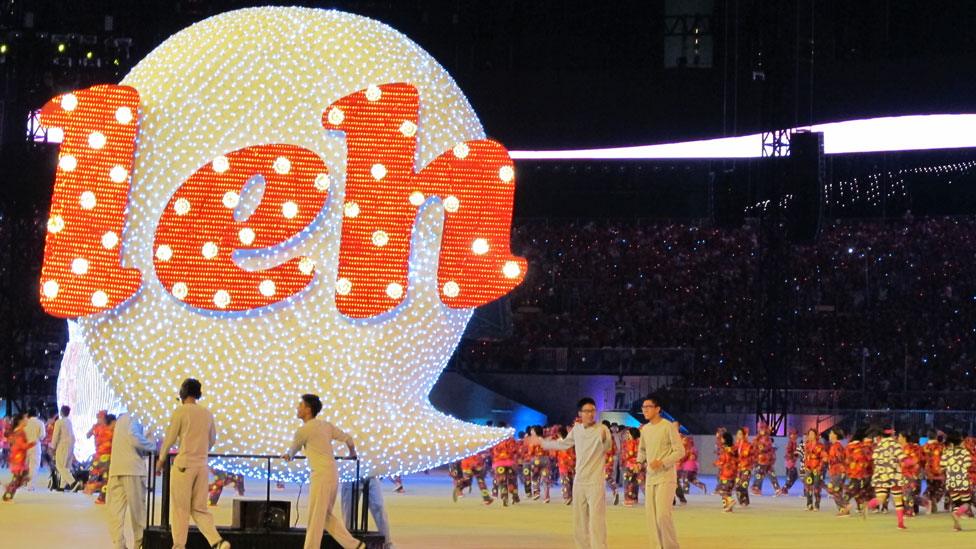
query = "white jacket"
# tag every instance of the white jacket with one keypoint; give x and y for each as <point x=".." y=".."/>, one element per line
<point x="129" y="449"/>
<point x="64" y="434"/>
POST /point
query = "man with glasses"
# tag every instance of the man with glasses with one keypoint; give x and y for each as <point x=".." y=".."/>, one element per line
<point x="661" y="449"/>
<point x="591" y="440"/>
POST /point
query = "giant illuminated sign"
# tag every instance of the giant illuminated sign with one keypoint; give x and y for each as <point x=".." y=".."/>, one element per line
<point x="311" y="206"/>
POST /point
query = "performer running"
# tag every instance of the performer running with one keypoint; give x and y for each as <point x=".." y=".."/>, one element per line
<point x="503" y="456"/>
<point x="688" y="467"/>
<point x="956" y="463"/>
<point x="814" y="458"/>
<point x="19" y="448"/>
<point x="98" y="472"/>
<point x="728" y="471"/>
<point x="858" y="464"/>
<point x="934" y="476"/>
<point x="887" y="478"/>
<point x="837" y="471"/>
<point x="765" y="461"/>
<point x="473" y="468"/>
<point x="316" y="437"/>
<point x="792" y="455"/>
<point x="911" y="469"/>
<point x="746" y="460"/>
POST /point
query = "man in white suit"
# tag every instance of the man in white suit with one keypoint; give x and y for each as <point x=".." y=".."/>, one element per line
<point x="63" y="444"/>
<point x="35" y="433"/>
<point x="127" y="480"/>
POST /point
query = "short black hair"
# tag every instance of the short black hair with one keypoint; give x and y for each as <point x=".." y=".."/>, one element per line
<point x="838" y="431"/>
<point x="313" y="402"/>
<point x="953" y="437"/>
<point x="32" y="412"/>
<point x="727" y="438"/>
<point x="656" y="399"/>
<point x="502" y="424"/>
<point x="634" y="433"/>
<point x="65" y="410"/>
<point x="584" y="401"/>
<point x="190" y="388"/>
<point x="109" y="418"/>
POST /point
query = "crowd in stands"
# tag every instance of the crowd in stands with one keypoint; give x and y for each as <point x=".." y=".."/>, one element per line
<point x="883" y="305"/>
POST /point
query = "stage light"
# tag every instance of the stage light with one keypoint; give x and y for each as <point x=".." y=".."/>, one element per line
<point x="3" y="48"/>
<point x="61" y="48"/>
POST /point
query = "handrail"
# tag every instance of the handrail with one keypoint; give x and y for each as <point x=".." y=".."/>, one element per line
<point x="360" y="526"/>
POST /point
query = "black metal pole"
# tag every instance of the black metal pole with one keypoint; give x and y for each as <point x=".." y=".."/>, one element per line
<point x="164" y="507"/>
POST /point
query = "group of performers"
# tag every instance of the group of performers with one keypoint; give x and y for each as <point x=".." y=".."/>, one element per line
<point x="512" y="462"/>
<point x="875" y="467"/>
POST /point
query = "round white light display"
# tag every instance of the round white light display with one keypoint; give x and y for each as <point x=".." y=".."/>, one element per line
<point x="373" y="375"/>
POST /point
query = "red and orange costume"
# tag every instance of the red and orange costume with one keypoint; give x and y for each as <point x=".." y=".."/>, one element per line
<point x="222" y="479"/>
<point x="837" y="473"/>
<point x="814" y="458"/>
<point x="934" y="476"/>
<point x="608" y="471"/>
<point x="911" y="469"/>
<point x="746" y="461"/>
<point x="98" y="475"/>
<point x="17" y="441"/>
<point x="688" y="467"/>
<point x="473" y="468"/>
<point x="765" y="461"/>
<point x="728" y="470"/>
<point x="503" y="456"/>
<point x="858" y="463"/>
<point x="791" y="455"/>
<point x="567" y="472"/>
<point x="633" y="471"/>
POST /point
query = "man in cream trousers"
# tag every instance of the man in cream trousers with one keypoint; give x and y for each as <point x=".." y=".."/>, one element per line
<point x="35" y="433"/>
<point x="316" y="437"/>
<point x="591" y="440"/>
<point x="193" y="426"/>
<point x="126" y="489"/>
<point x="63" y="444"/>
<point x="660" y="448"/>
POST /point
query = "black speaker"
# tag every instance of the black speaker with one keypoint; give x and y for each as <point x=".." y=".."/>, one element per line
<point x="258" y="513"/>
<point x="805" y="183"/>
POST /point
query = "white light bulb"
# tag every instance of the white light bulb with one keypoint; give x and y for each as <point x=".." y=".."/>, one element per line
<point x="373" y="92"/>
<point x="87" y="200"/>
<point x="506" y="174"/>
<point x="55" y="224"/>
<point x="99" y="299"/>
<point x="322" y="182"/>
<point x="181" y="206"/>
<point x="221" y="299"/>
<point x="220" y="164"/>
<point x="180" y="290"/>
<point x="50" y="288"/>
<point x="69" y="101"/>
<point x="289" y="209"/>
<point x="281" y="165"/>
<point x="231" y="199"/>
<point x="408" y="128"/>
<point x="417" y="198"/>
<point x="336" y="116"/>
<point x="451" y="289"/>
<point x="511" y="269"/>
<point x="118" y="174"/>
<point x="378" y="171"/>
<point x="209" y="250"/>
<point x="394" y="290"/>
<point x="451" y="204"/>
<point x="164" y="252"/>
<point x="479" y="246"/>
<point x="110" y="240"/>
<point x="350" y="209"/>
<point x="246" y="236"/>
<point x="79" y="266"/>
<point x="267" y="288"/>
<point x="461" y="150"/>
<point x="123" y="115"/>
<point x="67" y="162"/>
<point x="380" y="238"/>
<point x="343" y="286"/>
<point x="96" y="140"/>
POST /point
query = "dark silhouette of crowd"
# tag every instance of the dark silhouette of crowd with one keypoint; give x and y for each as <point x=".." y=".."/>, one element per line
<point x="882" y="305"/>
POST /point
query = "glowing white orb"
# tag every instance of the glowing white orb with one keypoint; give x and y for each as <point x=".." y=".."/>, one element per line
<point x="373" y="375"/>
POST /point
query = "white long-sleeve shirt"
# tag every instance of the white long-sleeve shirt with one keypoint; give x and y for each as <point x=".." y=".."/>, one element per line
<point x="316" y="436"/>
<point x="592" y="444"/>
<point x="660" y="442"/>
<point x="194" y="426"/>
<point x="34" y="431"/>
<point x="63" y="435"/>
<point x="129" y="449"/>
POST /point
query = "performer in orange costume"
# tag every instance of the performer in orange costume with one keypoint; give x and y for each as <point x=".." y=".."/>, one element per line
<point x="17" y="441"/>
<point x="745" y="459"/>
<point x="765" y="461"/>
<point x="567" y="468"/>
<point x="633" y="470"/>
<point x="934" y="476"/>
<point x="837" y="471"/>
<point x="98" y="475"/>
<point x="727" y="471"/>
<point x="815" y="455"/>
<point x="503" y="456"/>
<point x="911" y="469"/>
